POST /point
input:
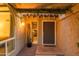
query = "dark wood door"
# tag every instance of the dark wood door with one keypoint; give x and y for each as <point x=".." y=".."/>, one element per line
<point x="48" y="32"/>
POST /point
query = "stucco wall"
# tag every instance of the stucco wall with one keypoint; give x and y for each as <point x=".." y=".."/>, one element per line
<point x="68" y="34"/>
<point x="19" y="36"/>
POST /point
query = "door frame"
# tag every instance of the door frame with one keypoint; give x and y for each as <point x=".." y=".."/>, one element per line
<point x="43" y="30"/>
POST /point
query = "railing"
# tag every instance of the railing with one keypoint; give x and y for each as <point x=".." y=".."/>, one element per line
<point x="7" y="46"/>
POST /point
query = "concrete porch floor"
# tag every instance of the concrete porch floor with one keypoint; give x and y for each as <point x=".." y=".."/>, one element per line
<point x="39" y="50"/>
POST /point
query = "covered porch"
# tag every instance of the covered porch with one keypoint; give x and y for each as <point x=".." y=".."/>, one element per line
<point x="50" y="29"/>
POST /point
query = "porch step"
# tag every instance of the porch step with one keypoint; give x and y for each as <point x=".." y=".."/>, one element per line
<point x="48" y="51"/>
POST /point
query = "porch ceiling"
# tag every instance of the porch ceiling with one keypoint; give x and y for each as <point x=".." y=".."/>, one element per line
<point x="41" y="5"/>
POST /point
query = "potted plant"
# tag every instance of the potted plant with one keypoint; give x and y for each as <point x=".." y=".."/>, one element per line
<point x="29" y="41"/>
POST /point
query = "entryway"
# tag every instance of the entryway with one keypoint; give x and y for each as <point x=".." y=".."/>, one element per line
<point x="45" y="30"/>
<point x="48" y="32"/>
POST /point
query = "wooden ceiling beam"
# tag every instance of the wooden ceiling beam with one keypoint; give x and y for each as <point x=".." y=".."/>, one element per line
<point x="56" y="11"/>
<point x="5" y="11"/>
<point x="45" y="10"/>
<point x="3" y="5"/>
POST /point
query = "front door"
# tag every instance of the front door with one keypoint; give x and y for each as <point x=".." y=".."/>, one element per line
<point x="49" y="33"/>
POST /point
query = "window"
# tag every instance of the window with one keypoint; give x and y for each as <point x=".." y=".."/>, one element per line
<point x="4" y="25"/>
<point x="7" y="40"/>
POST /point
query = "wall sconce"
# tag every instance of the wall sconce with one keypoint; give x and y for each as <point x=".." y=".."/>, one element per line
<point x="22" y="24"/>
<point x="1" y="24"/>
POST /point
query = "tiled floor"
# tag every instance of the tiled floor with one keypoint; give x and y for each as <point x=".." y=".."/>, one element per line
<point x="28" y="51"/>
<point x="48" y="51"/>
<point x="41" y="51"/>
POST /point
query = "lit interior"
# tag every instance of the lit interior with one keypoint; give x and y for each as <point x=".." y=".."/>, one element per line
<point x="4" y="25"/>
<point x="4" y="8"/>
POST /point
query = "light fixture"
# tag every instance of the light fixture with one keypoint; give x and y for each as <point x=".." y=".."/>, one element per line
<point x="1" y="25"/>
<point x="22" y="24"/>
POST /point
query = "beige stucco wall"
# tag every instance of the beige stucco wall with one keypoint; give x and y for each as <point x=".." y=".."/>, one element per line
<point x="68" y="34"/>
<point x="19" y="35"/>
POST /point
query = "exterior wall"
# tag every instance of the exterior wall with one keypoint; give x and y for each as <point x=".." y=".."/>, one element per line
<point x="68" y="34"/>
<point x="19" y="36"/>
